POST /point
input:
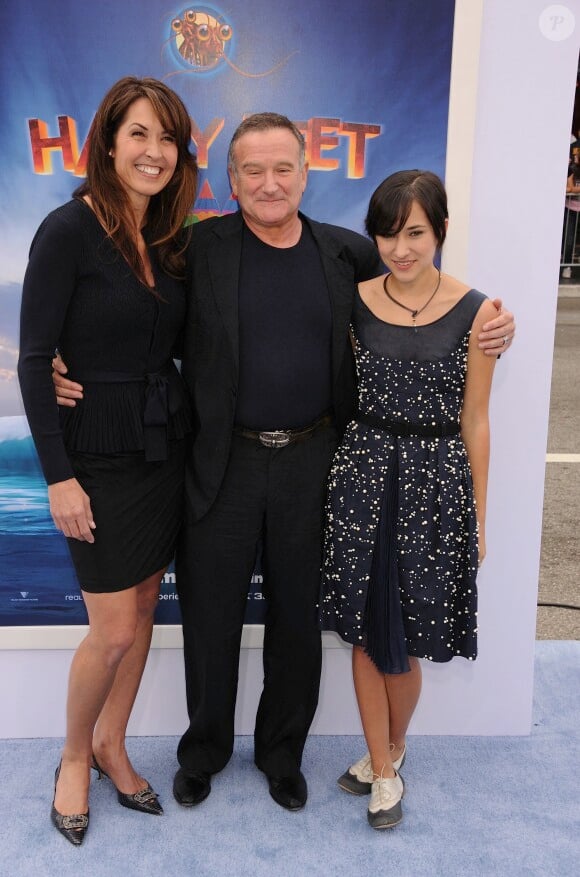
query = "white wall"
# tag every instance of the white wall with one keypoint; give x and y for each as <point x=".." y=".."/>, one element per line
<point x="509" y="133"/>
<point x="521" y="138"/>
<point x="33" y="693"/>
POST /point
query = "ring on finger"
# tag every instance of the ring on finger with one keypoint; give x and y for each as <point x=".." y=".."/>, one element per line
<point x="505" y="339"/>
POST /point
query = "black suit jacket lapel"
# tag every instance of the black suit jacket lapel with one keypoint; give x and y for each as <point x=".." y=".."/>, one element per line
<point x="341" y="286"/>
<point x="223" y="256"/>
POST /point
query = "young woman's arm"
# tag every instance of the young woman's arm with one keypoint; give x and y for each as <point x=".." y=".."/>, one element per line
<point x="475" y="417"/>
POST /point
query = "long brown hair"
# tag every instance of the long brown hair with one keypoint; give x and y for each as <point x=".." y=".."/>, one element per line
<point x="168" y="209"/>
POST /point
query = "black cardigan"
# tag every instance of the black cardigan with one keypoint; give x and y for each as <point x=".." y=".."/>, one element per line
<point x="81" y="296"/>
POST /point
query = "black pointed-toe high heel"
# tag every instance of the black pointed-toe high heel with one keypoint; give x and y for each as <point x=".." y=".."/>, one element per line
<point x="145" y="800"/>
<point x="72" y="827"/>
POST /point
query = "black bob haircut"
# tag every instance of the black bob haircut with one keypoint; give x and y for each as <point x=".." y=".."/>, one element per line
<point x="391" y="203"/>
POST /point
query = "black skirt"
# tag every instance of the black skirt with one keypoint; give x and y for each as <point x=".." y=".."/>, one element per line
<point x="137" y="508"/>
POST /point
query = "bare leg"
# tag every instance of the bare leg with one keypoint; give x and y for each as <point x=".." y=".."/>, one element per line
<point x="373" y="704"/>
<point x="403" y="690"/>
<point x="111" y="728"/>
<point x="386" y="704"/>
<point x="112" y="625"/>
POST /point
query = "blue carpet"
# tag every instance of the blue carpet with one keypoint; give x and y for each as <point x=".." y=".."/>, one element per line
<point x="476" y="806"/>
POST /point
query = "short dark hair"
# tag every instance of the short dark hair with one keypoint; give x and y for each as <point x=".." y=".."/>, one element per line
<point x="265" y="122"/>
<point x="391" y="203"/>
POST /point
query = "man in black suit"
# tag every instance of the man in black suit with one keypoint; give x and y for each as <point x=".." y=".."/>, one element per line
<point x="268" y="361"/>
<point x="271" y="371"/>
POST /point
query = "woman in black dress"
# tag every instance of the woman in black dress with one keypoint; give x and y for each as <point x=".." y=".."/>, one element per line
<point x="407" y="494"/>
<point x="104" y="286"/>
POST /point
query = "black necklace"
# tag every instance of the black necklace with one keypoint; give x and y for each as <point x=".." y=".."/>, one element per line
<point x="413" y="311"/>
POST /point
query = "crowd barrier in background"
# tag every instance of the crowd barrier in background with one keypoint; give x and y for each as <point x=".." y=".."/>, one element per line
<point x="570" y="253"/>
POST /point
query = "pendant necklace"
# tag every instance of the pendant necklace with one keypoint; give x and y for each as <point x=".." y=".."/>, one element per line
<point x="413" y="311"/>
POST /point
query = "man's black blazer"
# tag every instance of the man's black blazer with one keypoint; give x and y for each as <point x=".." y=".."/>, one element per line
<point x="210" y="362"/>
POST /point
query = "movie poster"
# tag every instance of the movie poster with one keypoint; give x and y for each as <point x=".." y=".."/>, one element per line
<point x="367" y="83"/>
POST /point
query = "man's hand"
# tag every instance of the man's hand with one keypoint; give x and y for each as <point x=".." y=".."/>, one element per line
<point x="66" y="391"/>
<point x="497" y="335"/>
<point x="70" y="508"/>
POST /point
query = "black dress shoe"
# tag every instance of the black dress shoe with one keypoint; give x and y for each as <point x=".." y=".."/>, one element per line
<point x="191" y="788"/>
<point x="73" y="827"/>
<point x="145" y="800"/>
<point x="289" y="792"/>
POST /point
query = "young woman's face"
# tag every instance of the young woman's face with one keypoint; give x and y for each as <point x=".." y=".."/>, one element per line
<point x="145" y="154"/>
<point x="410" y="253"/>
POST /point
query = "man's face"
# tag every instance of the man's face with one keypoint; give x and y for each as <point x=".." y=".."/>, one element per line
<point x="267" y="179"/>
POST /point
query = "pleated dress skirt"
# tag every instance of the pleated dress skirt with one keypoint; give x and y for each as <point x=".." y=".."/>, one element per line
<point x="137" y="509"/>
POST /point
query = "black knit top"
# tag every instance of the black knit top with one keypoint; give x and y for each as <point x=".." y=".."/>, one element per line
<point x="285" y="335"/>
<point x="115" y="336"/>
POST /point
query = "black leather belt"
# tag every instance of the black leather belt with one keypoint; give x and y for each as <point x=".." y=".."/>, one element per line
<point x="279" y="438"/>
<point x="400" y="428"/>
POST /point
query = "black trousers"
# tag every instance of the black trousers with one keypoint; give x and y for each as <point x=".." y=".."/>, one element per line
<point x="276" y="495"/>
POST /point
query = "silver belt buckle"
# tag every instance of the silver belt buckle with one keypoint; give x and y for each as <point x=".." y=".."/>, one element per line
<point x="276" y="439"/>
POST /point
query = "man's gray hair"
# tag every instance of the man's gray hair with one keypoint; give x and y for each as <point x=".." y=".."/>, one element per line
<point x="265" y="122"/>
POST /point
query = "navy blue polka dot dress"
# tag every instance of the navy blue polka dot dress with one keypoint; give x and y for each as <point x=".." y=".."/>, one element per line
<point x="400" y="557"/>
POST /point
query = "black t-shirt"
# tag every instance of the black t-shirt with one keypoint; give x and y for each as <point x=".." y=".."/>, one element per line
<point x="285" y="326"/>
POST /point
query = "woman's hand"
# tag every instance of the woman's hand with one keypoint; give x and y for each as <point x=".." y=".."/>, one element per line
<point x="70" y="508"/>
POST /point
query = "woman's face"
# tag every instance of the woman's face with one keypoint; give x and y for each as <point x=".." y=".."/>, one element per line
<point x="410" y="253"/>
<point x="144" y="153"/>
